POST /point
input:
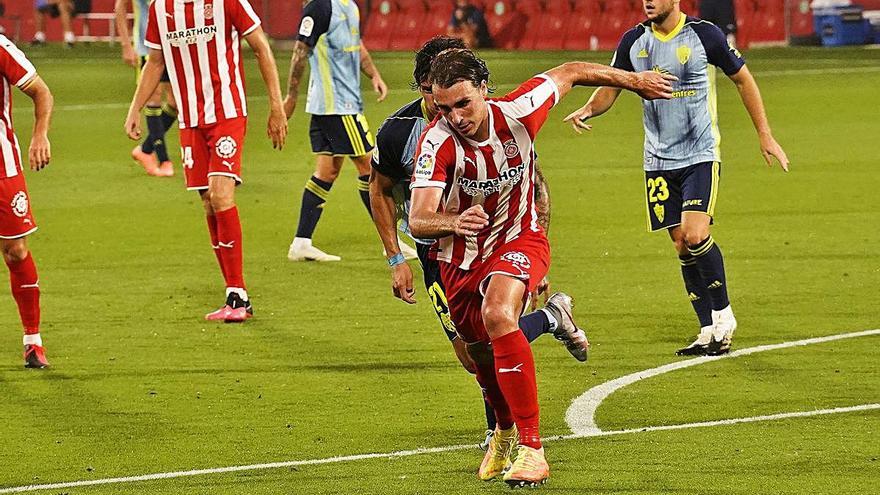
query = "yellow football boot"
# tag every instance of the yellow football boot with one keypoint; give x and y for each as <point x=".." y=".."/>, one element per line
<point x="529" y="469"/>
<point x="497" y="457"/>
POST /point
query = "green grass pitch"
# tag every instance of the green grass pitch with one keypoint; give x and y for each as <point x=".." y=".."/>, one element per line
<point x="333" y="365"/>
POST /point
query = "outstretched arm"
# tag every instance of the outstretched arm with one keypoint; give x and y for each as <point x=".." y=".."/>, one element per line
<point x="649" y="84"/>
<point x="600" y="102"/>
<point x="369" y="69"/>
<point x="277" y="126"/>
<point x="120" y="9"/>
<point x="40" y="151"/>
<point x="150" y="77"/>
<point x="751" y="98"/>
<point x="301" y="52"/>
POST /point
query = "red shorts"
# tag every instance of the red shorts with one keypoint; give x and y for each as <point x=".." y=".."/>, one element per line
<point x="16" y="218"/>
<point x="212" y="150"/>
<point x="527" y="258"/>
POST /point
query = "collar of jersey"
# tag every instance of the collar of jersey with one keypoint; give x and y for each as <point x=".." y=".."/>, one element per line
<point x="673" y="33"/>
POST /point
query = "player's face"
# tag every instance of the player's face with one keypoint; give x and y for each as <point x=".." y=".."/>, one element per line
<point x="427" y="93"/>
<point x="658" y="10"/>
<point x="464" y="106"/>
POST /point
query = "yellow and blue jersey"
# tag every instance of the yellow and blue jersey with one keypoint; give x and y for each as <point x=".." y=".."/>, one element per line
<point x="332" y="29"/>
<point x="682" y="131"/>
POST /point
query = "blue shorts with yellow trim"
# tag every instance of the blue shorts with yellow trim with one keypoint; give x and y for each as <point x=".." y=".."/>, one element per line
<point x="341" y="135"/>
<point x="431" y="271"/>
<point x="670" y="192"/>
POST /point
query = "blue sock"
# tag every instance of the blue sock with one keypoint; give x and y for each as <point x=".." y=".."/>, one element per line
<point x="533" y="325"/>
<point x="364" y="190"/>
<point x="491" y="422"/>
<point x="314" y="197"/>
<point x="711" y="266"/>
<point x="696" y="289"/>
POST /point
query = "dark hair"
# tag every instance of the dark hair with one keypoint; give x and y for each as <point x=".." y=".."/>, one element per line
<point x="456" y="65"/>
<point x="426" y="55"/>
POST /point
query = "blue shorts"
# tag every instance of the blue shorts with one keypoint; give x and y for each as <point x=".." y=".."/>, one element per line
<point x="341" y="135"/>
<point x="436" y="291"/>
<point x="670" y="192"/>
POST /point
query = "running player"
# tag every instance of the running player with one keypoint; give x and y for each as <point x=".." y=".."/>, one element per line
<point x="199" y="42"/>
<point x="152" y="154"/>
<point x="16" y="218"/>
<point x="473" y="189"/>
<point x="329" y="37"/>
<point x="63" y="9"/>
<point x="389" y="194"/>
<point x="683" y="149"/>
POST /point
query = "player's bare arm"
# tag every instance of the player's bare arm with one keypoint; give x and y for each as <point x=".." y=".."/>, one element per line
<point x="369" y="69"/>
<point x="542" y="207"/>
<point x="751" y="98"/>
<point x="120" y="9"/>
<point x="40" y="150"/>
<point x="276" y="128"/>
<point x="298" y="61"/>
<point x="150" y="77"/>
<point x="384" y="212"/>
<point x="426" y="222"/>
<point x="600" y="102"/>
<point x="649" y="85"/>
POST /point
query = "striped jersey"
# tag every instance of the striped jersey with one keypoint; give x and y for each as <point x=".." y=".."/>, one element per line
<point x="331" y="28"/>
<point x="682" y="131"/>
<point x="15" y="70"/>
<point x="498" y="173"/>
<point x="141" y="12"/>
<point x="201" y="43"/>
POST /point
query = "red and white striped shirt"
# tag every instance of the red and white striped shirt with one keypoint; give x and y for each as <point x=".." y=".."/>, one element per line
<point x="498" y="173"/>
<point x="15" y="70"/>
<point x="200" y="40"/>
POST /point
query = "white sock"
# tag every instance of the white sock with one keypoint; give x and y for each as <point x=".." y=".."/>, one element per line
<point x="238" y="290"/>
<point x="40" y="36"/>
<point x="301" y="243"/>
<point x="551" y="319"/>
<point x="34" y="339"/>
<point x="69" y="37"/>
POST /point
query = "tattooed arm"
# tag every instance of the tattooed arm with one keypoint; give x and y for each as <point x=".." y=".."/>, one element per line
<point x="298" y="60"/>
<point x="542" y="199"/>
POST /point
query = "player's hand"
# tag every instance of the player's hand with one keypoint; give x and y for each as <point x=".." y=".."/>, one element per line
<point x="129" y="57"/>
<point x="380" y="87"/>
<point x="277" y="127"/>
<point x="289" y="106"/>
<point x="542" y="289"/>
<point x="402" y="283"/>
<point x="40" y="152"/>
<point x="133" y="126"/>
<point x="770" y="148"/>
<point x="471" y="221"/>
<point x="578" y="119"/>
<point x="654" y="85"/>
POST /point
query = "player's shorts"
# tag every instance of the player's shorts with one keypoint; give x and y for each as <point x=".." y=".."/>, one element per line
<point x="670" y="192"/>
<point x="341" y="135"/>
<point x="50" y="9"/>
<point x="16" y="217"/>
<point x="434" y="285"/>
<point x="165" y="78"/>
<point x="213" y="150"/>
<point x="527" y="258"/>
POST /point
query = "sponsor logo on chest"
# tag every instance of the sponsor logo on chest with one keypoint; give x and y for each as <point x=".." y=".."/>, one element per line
<point x="506" y="178"/>
<point x="191" y="36"/>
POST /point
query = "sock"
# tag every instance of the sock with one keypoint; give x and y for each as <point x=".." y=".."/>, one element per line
<point x="40" y="36"/>
<point x="535" y="324"/>
<point x="364" y="190"/>
<point x="229" y="240"/>
<point x="69" y="37"/>
<point x="314" y="197"/>
<point x="26" y="292"/>
<point x="515" y="371"/>
<point x="212" y="230"/>
<point x="169" y="116"/>
<point x="711" y="266"/>
<point x="696" y="289"/>
<point x="491" y="421"/>
<point x="156" y="134"/>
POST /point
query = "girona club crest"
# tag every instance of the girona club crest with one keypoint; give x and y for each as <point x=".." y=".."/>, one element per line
<point x="20" y="204"/>
<point x="510" y="148"/>
<point x="209" y="11"/>
<point x="226" y="147"/>
<point x="517" y="259"/>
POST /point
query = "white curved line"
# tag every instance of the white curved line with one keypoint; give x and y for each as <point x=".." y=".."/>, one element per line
<point x="581" y="415"/>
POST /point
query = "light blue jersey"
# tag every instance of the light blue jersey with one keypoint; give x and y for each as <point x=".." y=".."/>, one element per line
<point x="141" y="15"/>
<point x="332" y="29"/>
<point x="682" y="131"/>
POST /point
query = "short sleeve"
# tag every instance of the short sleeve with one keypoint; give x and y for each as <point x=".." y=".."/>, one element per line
<point x="531" y="102"/>
<point x="315" y="21"/>
<point x="16" y="68"/>
<point x="719" y="52"/>
<point x="153" y="39"/>
<point x="242" y="16"/>
<point x="388" y="157"/>
<point x="435" y="156"/>
<point x="621" y="59"/>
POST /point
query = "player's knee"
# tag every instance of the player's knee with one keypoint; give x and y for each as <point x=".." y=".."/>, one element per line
<point x="693" y="237"/>
<point x="497" y="317"/>
<point x="14" y="251"/>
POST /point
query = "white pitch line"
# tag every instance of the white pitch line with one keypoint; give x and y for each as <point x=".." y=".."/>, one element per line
<point x="581" y="414"/>
<point x="410" y="453"/>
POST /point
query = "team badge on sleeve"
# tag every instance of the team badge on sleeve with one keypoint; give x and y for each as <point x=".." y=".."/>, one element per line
<point x="226" y="147"/>
<point x="425" y="166"/>
<point x="20" y="204"/>
<point x="306" y="27"/>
